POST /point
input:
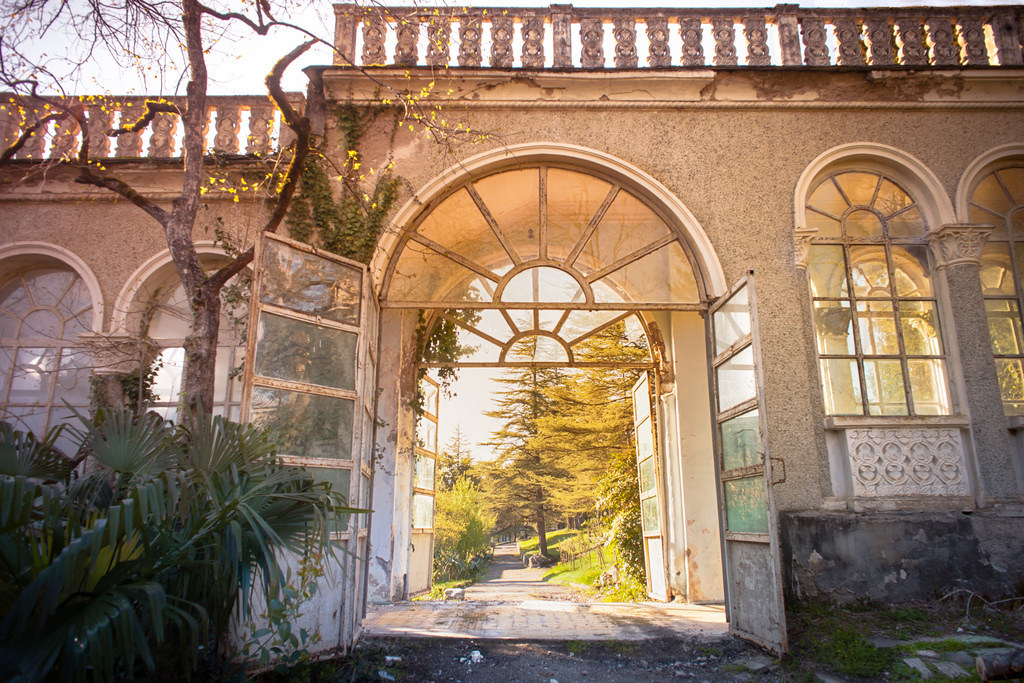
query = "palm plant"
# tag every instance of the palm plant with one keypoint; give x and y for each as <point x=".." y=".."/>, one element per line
<point x="140" y="562"/>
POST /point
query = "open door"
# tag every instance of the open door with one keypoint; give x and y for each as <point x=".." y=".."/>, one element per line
<point x="753" y="581"/>
<point x="421" y="561"/>
<point x="649" y="476"/>
<point x="310" y="380"/>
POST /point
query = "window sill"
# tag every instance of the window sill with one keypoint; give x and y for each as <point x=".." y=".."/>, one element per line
<point x="838" y="422"/>
<point x="1015" y="422"/>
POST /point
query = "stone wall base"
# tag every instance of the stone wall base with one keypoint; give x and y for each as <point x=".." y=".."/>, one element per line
<point x="901" y="556"/>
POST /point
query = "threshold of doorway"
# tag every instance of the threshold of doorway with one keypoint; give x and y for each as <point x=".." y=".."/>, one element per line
<point x="545" y="620"/>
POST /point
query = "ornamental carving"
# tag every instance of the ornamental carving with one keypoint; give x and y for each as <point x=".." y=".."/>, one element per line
<point x="757" y="41"/>
<point x="944" y="48"/>
<point x="907" y="462"/>
<point x="592" y="38"/>
<point x="260" y="121"/>
<point x="724" y="32"/>
<point x="161" y="142"/>
<point x="128" y="144"/>
<point x="439" y="34"/>
<point x="815" y="50"/>
<point x="470" y="33"/>
<point x="880" y="37"/>
<point x="851" y="49"/>
<point x="501" y="42"/>
<point x="406" y="46"/>
<point x="226" y="139"/>
<point x="64" y="139"/>
<point x="657" y="37"/>
<point x="373" y="40"/>
<point x="973" y="33"/>
<point x="802" y="240"/>
<point x="99" y="124"/>
<point x="954" y="245"/>
<point x="533" y="42"/>
<point x="691" y="31"/>
<point x="624" y="32"/>
<point x="911" y="34"/>
<point x="33" y="147"/>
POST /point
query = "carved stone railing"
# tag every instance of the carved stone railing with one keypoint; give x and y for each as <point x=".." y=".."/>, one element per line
<point x="563" y="37"/>
<point x="234" y="125"/>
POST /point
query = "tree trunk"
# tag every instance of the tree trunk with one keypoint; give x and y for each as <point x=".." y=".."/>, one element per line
<point x="201" y="351"/>
<point x="542" y="532"/>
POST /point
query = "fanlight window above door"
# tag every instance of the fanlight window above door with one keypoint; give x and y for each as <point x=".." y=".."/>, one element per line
<point x="542" y="237"/>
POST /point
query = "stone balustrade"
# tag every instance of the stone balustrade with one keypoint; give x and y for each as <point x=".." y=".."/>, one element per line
<point x="563" y="37"/>
<point x="234" y="125"/>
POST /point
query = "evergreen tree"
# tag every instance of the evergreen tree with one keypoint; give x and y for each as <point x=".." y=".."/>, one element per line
<point x="454" y="462"/>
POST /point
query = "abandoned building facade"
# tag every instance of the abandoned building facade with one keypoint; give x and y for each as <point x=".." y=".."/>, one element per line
<point x="815" y="219"/>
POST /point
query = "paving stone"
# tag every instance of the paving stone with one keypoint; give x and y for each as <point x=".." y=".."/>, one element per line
<point x="919" y="666"/>
<point x="757" y="663"/>
<point x="883" y="642"/>
<point x="930" y="654"/>
<point x="951" y="670"/>
<point x="828" y="678"/>
<point x="964" y="659"/>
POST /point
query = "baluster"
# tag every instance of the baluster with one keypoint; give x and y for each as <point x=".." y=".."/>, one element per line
<point x="1007" y="39"/>
<point x="880" y="37"/>
<point x="161" y="142"/>
<point x="944" y="50"/>
<point x="34" y="145"/>
<point x="624" y="31"/>
<point x="532" y="32"/>
<point x="501" y="42"/>
<point x="439" y="38"/>
<point x="815" y="49"/>
<point x="789" y="35"/>
<point x="345" y="26"/>
<point x="470" y="34"/>
<point x="592" y="37"/>
<point x="724" y="32"/>
<point x="128" y="144"/>
<point x="691" y="31"/>
<point x="260" y="121"/>
<point x="972" y="37"/>
<point x="374" y="33"/>
<point x="757" y="41"/>
<point x="913" y="51"/>
<point x="99" y="124"/>
<point x="226" y="137"/>
<point x="64" y="138"/>
<point x="406" y="47"/>
<point x="851" y="45"/>
<point x="657" y="36"/>
<point x="561" y="34"/>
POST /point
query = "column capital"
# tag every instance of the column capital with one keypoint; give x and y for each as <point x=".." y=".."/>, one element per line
<point x="802" y="238"/>
<point x="957" y="244"/>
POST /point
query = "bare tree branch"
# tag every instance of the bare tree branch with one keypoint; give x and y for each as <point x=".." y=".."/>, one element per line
<point x="153" y="107"/>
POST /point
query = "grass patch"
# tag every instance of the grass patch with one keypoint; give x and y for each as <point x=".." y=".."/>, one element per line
<point x="564" y="573"/>
<point x="531" y="546"/>
<point x="848" y="652"/>
<point x="438" y="589"/>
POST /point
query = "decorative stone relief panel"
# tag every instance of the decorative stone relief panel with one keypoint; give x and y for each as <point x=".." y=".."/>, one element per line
<point x="913" y="50"/>
<point x="907" y="462"/>
<point x="724" y="32"/>
<point x="470" y="35"/>
<point x="592" y="38"/>
<point x="815" y="49"/>
<point x="880" y="37"/>
<point x="374" y="32"/>
<point x="625" y="43"/>
<point x="851" y="51"/>
<point x="161" y="142"/>
<point x="533" y="43"/>
<point x="501" y="42"/>
<point x="657" y="35"/>
<point x="406" y="47"/>
<point x="954" y="245"/>
<point x="972" y="31"/>
<point x="944" y="48"/>
<point x="439" y="35"/>
<point x="757" y="41"/>
<point x="691" y="31"/>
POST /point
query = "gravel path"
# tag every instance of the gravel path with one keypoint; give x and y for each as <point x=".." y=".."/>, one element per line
<point x="508" y="580"/>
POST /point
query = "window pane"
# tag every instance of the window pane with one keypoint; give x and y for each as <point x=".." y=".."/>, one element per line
<point x="996" y="270"/>
<point x="1013" y="179"/>
<point x="912" y="274"/>
<point x="167" y="383"/>
<point x="863" y="223"/>
<point x="474" y="239"/>
<point x="41" y="324"/>
<point x="907" y="224"/>
<point x="928" y="386"/>
<point x="339" y="480"/>
<point x="891" y="199"/>
<point x="647" y="477"/>
<point x="644" y="440"/>
<point x="73" y="378"/>
<point x="310" y="284"/>
<point x="885" y="389"/>
<point x="826" y="227"/>
<point x="308" y="425"/>
<point x="826" y="198"/>
<point x="422" y="511"/>
<point x="512" y="199"/>
<point x="732" y="321"/>
<point x="423" y="274"/>
<point x="33" y="375"/>
<point x="664" y="276"/>
<point x="741" y="441"/>
<point x="877" y="326"/>
<point x="426" y="434"/>
<point x="990" y="195"/>
<point x="870" y="271"/>
<point x="627" y="225"/>
<point x="832" y="323"/>
<point x="542" y="285"/>
<point x="1011" y="384"/>
<point x="841" y="386"/>
<point x="48" y="286"/>
<point x="423" y="472"/>
<point x="1004" y="326"/>
<point x="649" y="510"/>
<point x="736" y="379"/>
<point x="746" y="505"/>
<point x="920" y="322"/>
<point x="573" y="199"/>
<point x="828" y="271"/>
<point x="14" y="298"/>
<point x="303" y="352"/>
<point x="858" y="187"/>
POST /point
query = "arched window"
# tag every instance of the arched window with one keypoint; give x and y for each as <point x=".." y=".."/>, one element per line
<point x="876" y="319"/>
<point x="43" y="309"/>
<point x="162" y="302"/>
<point x="999" y="199"/>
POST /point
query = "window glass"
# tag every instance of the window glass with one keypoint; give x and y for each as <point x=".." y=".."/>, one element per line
<point x="999" y="199"/>
<point x="876" y="319"/>
<point x="43" y="309"/>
